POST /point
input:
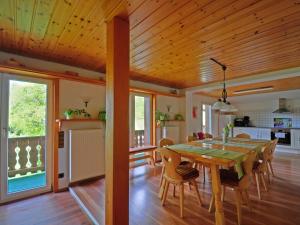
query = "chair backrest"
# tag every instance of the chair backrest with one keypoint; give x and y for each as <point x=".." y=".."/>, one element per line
<point x="171" y="160"/>
<point x="165" y="142"/>
<point x="249" y="162"/>
<point x="274" y="143"/>
<point x="190" y="138"/>
<point x="243" y="135"/>
<point x="267" y="152"/>
<point x="208" y="135"/>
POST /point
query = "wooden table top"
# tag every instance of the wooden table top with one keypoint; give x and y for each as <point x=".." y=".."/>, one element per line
<point x="219" y="161"/>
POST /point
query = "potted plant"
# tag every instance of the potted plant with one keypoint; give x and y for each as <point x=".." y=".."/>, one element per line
<point x="161" y="118"/>
<point x="178" y="116"/>
<point x="69" y="114"/>
<point x="102" y="115"/>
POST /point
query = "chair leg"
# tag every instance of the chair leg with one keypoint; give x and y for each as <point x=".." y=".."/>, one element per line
<point x="263" y="181"/>
<point x="223" y="193"/>
<point x="271" y="167"/>
<point x="166" y="189"/>
<point x="181" y="199"/>
<point x="238" y="206"/>
<point x="161" y="189"/>
<point x="174" y="191"/>
<point x="211" y="204"/>
<point x="162" y="175"/>
<point x="197" y="191"/>
<point x="247" y="198"/>
<point x="203" y="169"/>
<point x="258" y="185"/>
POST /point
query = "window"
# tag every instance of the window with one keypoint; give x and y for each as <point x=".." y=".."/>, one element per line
<point x="206" y="118"/>
<point x="140" y="119"/>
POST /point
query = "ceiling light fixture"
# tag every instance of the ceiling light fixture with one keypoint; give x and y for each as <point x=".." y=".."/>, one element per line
<point x="249" y="90"/>
<point x="222" y="104"/>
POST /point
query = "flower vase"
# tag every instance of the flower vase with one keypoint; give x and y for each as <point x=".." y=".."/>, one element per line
<point x="225" y="138"/>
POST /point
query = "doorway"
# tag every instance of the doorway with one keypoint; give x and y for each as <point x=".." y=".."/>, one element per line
<point x="25" y="131"/>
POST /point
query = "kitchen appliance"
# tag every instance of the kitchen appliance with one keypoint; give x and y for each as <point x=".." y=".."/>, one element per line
<point x="282" y="122"/>
<point x="242" y="122"/>
<point x="282" y="134"/>
<point x="282" y="106"/>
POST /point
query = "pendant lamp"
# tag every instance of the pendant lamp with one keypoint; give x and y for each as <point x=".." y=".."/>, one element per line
<point x="222" y="104"/>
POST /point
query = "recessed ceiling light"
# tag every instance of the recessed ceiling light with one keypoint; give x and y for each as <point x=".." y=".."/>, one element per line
<point x="249" y="90"/>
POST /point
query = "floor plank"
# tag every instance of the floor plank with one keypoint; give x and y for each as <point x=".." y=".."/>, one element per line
<point x="281" y="205"/>
<point x="47" y="209"/>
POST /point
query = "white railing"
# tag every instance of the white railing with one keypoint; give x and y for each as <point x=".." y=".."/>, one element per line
<point x="139" y="137"/>
<point x="26" y="155"/>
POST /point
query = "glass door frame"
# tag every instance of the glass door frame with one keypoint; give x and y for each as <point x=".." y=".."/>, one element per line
<point x="4" y="100"/>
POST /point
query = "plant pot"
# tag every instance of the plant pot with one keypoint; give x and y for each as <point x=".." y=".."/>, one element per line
<point x="69" y="117"/>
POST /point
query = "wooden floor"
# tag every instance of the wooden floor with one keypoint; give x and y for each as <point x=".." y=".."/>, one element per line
<point x="280" y="206"/>
<point x="47" y="209"/>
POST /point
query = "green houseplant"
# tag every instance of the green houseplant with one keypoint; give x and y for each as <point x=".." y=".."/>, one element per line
<point x="102" y="115"/>
<point x="69" y="114"/>
<point x="161" y="118"/>
<point x="179" y="117"/>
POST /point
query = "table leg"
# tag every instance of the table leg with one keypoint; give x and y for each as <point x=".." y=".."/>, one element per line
<point x="216" y="188"/>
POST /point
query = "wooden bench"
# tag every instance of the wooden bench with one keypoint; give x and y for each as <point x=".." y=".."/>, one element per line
<point x="147" y="149"/>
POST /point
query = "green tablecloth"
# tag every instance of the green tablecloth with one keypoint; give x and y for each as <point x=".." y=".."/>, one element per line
<point x="217" y="153"/>
<point x="254" y="147"/>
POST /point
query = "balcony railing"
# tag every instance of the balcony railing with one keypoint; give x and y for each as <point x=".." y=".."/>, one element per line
<point x="139" y="137"/>
<point x="26" y="155"/>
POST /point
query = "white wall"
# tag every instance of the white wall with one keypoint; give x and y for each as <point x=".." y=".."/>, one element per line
<point x="177" y="106"/>
<point x="72" y="93"/>
<point x="194" y="124"/>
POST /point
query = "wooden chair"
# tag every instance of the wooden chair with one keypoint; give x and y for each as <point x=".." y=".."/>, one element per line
<point x="243" y="135"/>
<point x="197" y="165"/>
<point x="177" y="174"/>
<point x="164" y="142"/>
<point x="191" y="138"/>
<point x="208" y="135"/>
<point x="260" y="169"/>
<point x="229" y="178"/>
<point x="271" y="156"/>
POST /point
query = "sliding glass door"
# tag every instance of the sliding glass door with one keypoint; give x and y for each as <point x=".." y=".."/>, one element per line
<point x="25" y="146"/>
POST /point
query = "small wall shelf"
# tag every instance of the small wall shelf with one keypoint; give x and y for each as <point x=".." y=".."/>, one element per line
<point x="60" y="121"/>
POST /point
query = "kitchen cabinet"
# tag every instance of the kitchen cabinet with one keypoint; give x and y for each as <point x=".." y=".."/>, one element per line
<point x="295" y="138"/>
<point x="254" y="132"/>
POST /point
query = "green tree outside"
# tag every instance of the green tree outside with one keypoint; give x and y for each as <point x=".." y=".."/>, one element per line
<point x="27" y="109"/>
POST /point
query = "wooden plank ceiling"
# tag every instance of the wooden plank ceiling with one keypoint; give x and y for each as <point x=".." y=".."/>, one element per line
<point x="171" y="40"/>
<point x="276" y="85"/>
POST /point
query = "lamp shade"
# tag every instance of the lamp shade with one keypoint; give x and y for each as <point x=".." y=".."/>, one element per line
<point x="228" y="108"/>
<point x="218" y="105"/>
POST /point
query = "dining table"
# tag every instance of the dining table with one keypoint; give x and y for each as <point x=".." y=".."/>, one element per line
<point x="215" y="153"/>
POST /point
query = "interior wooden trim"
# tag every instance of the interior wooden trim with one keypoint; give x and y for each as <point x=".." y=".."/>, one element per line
<point x="153" y="125"/>
<point x="47" y="74"/>
<point x="55" y="137"/>
<point x="56" y="75"/>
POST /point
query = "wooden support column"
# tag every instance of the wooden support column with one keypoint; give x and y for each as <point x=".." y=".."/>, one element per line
<point x="117" y="124"/>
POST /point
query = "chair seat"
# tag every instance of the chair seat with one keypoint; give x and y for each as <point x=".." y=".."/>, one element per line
<point x="187" y="172"/>
<point x="186" y="163"/>
<point x="229" y="177"/>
